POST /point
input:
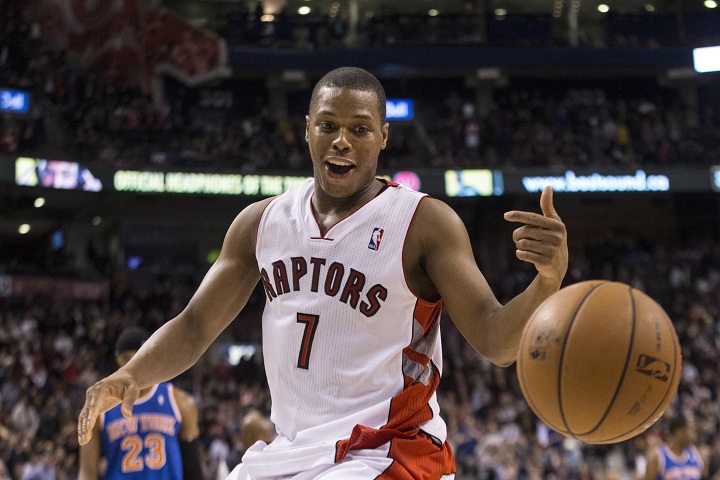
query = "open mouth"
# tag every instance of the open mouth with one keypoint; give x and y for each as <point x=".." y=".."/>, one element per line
<point x="338" y="169"/>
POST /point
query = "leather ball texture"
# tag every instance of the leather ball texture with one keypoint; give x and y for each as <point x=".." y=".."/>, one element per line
<point x="599" y="361"/>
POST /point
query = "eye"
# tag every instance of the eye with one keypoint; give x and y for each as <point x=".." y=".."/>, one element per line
<point x="362" y="129"/>
<point x="326" y="125"/>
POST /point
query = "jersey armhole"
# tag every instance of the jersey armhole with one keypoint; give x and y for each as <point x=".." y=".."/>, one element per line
<point x="173" y="402"/>
<point x="402" y="255"/>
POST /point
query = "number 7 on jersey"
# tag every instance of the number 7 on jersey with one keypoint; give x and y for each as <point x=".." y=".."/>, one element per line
<point x="311" y="322"/>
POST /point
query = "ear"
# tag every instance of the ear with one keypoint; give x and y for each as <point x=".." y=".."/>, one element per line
<point x="307" y="126"/>
<point x="385" y="129"/>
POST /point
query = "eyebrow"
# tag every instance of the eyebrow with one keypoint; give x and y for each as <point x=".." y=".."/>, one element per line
<point x="328" y="113"/>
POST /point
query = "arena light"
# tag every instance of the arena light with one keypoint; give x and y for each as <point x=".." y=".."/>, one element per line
<point x="500" y="12"/>
<point x="23" y="229"/>
<point x="706" y="59"/>
<point x="203" y="183"/>
<point x="267" y="18"/>
<point x="16" y="101"/>
<point x="649" y="7"/>
<point x="711" y="4"/>
<point x="39" y="202"/>
<point x="598" y="182"/>
<point x="433" y="12"/>
<point x="304" y="10"/>
<point x="715" y="172"/>
<point x="603" y="8"/>
<point x="399" y="109"/>
<point x="471" y="183"/>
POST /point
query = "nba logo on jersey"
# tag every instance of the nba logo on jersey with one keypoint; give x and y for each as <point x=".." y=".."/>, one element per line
<point x="161" y="400"/>
<point x="375" y="239"/>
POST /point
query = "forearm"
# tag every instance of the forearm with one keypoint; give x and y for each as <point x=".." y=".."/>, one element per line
<point x="171" y="350"/>
<point x="508" y="321"/>
<point x="89" y="457"/>
<point x="84" y="474"/>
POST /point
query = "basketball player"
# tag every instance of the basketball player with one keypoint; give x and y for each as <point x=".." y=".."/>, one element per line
<point x="677" y="458"/>
<point x="350" y="328"/>
<point x="159" y="442"/>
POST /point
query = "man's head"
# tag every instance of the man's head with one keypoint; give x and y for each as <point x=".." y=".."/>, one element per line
<point x="681" y="431"/>
<point x="352" y="78"/>
<point x="346" y="130"/>
<point x="128" y="343"/>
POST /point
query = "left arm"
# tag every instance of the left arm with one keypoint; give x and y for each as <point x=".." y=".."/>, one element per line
<point x="494" y="330"/>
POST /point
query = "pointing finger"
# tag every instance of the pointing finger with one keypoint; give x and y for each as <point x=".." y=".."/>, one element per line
<point x="534" y="219"/>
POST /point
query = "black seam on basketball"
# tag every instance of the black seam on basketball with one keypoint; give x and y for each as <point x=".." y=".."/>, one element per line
<point x="523" y="386"/>
<point x="669" y="389"/>
<point x="530" y="402"/>
<point x="562" y="357"/>
<point x="624" y="371"/>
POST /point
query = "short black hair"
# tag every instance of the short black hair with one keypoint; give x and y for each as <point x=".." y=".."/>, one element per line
<point x="353" y="78"/>
<point x="676" y="423"/>
<point x="132" y="338"/>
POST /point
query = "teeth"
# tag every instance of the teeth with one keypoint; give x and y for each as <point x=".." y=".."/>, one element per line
<point x="339" y="164"/>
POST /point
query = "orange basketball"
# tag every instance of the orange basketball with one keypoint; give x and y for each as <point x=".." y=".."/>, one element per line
<point x="599" y="361"/>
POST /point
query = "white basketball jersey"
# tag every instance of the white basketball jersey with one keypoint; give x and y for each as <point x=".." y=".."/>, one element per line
<point x="353" y="357"/>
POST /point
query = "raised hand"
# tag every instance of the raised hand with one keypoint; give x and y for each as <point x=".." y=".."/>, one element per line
<point x="542" y="240"/>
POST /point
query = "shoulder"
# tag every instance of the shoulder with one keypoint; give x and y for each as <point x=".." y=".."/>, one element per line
<point x="654" y="453"/>
<point x="189" y="413"/>
<point x="432" y="207"/>
<point x="243" y="231"/>
<point x="251" y="214"/>
<point x="183" y="399"/>
<point x="435" y="220"/>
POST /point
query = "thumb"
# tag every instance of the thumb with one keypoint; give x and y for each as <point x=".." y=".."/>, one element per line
<point x="546" y="203"/>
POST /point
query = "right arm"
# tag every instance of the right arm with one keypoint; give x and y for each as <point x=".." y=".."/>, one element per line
<point x="178" y="344"/>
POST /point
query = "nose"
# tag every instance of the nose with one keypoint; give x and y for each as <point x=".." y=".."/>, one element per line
<point x="341" y="143"/>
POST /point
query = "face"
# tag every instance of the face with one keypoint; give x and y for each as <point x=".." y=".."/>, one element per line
<point x="685" y="436"/>
<point x="59" y="174"/>
<point x="345" y="136"/>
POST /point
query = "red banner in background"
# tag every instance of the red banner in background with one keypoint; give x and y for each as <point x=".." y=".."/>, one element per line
<point x="15" y="286"/>
<point x="128" y="39"/>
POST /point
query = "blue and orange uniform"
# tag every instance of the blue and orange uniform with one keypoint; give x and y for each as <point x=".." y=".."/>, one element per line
<point x="145" y="446"/>
<point x="688" y="466"/>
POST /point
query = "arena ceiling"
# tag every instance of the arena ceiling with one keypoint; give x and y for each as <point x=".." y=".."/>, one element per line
<point x="206" y="12"/>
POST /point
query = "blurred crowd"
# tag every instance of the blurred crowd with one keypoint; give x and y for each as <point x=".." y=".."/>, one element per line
<point x="51" y="351"/>
<point x="77" y="113"/>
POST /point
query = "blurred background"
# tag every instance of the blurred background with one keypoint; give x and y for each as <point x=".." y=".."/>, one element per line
<point x="132" y="132"/>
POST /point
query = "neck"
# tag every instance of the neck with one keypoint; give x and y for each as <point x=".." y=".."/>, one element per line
<point x="329" y="210"/>
<point x="325" y="204"/>
<point x="677" y="447"/>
